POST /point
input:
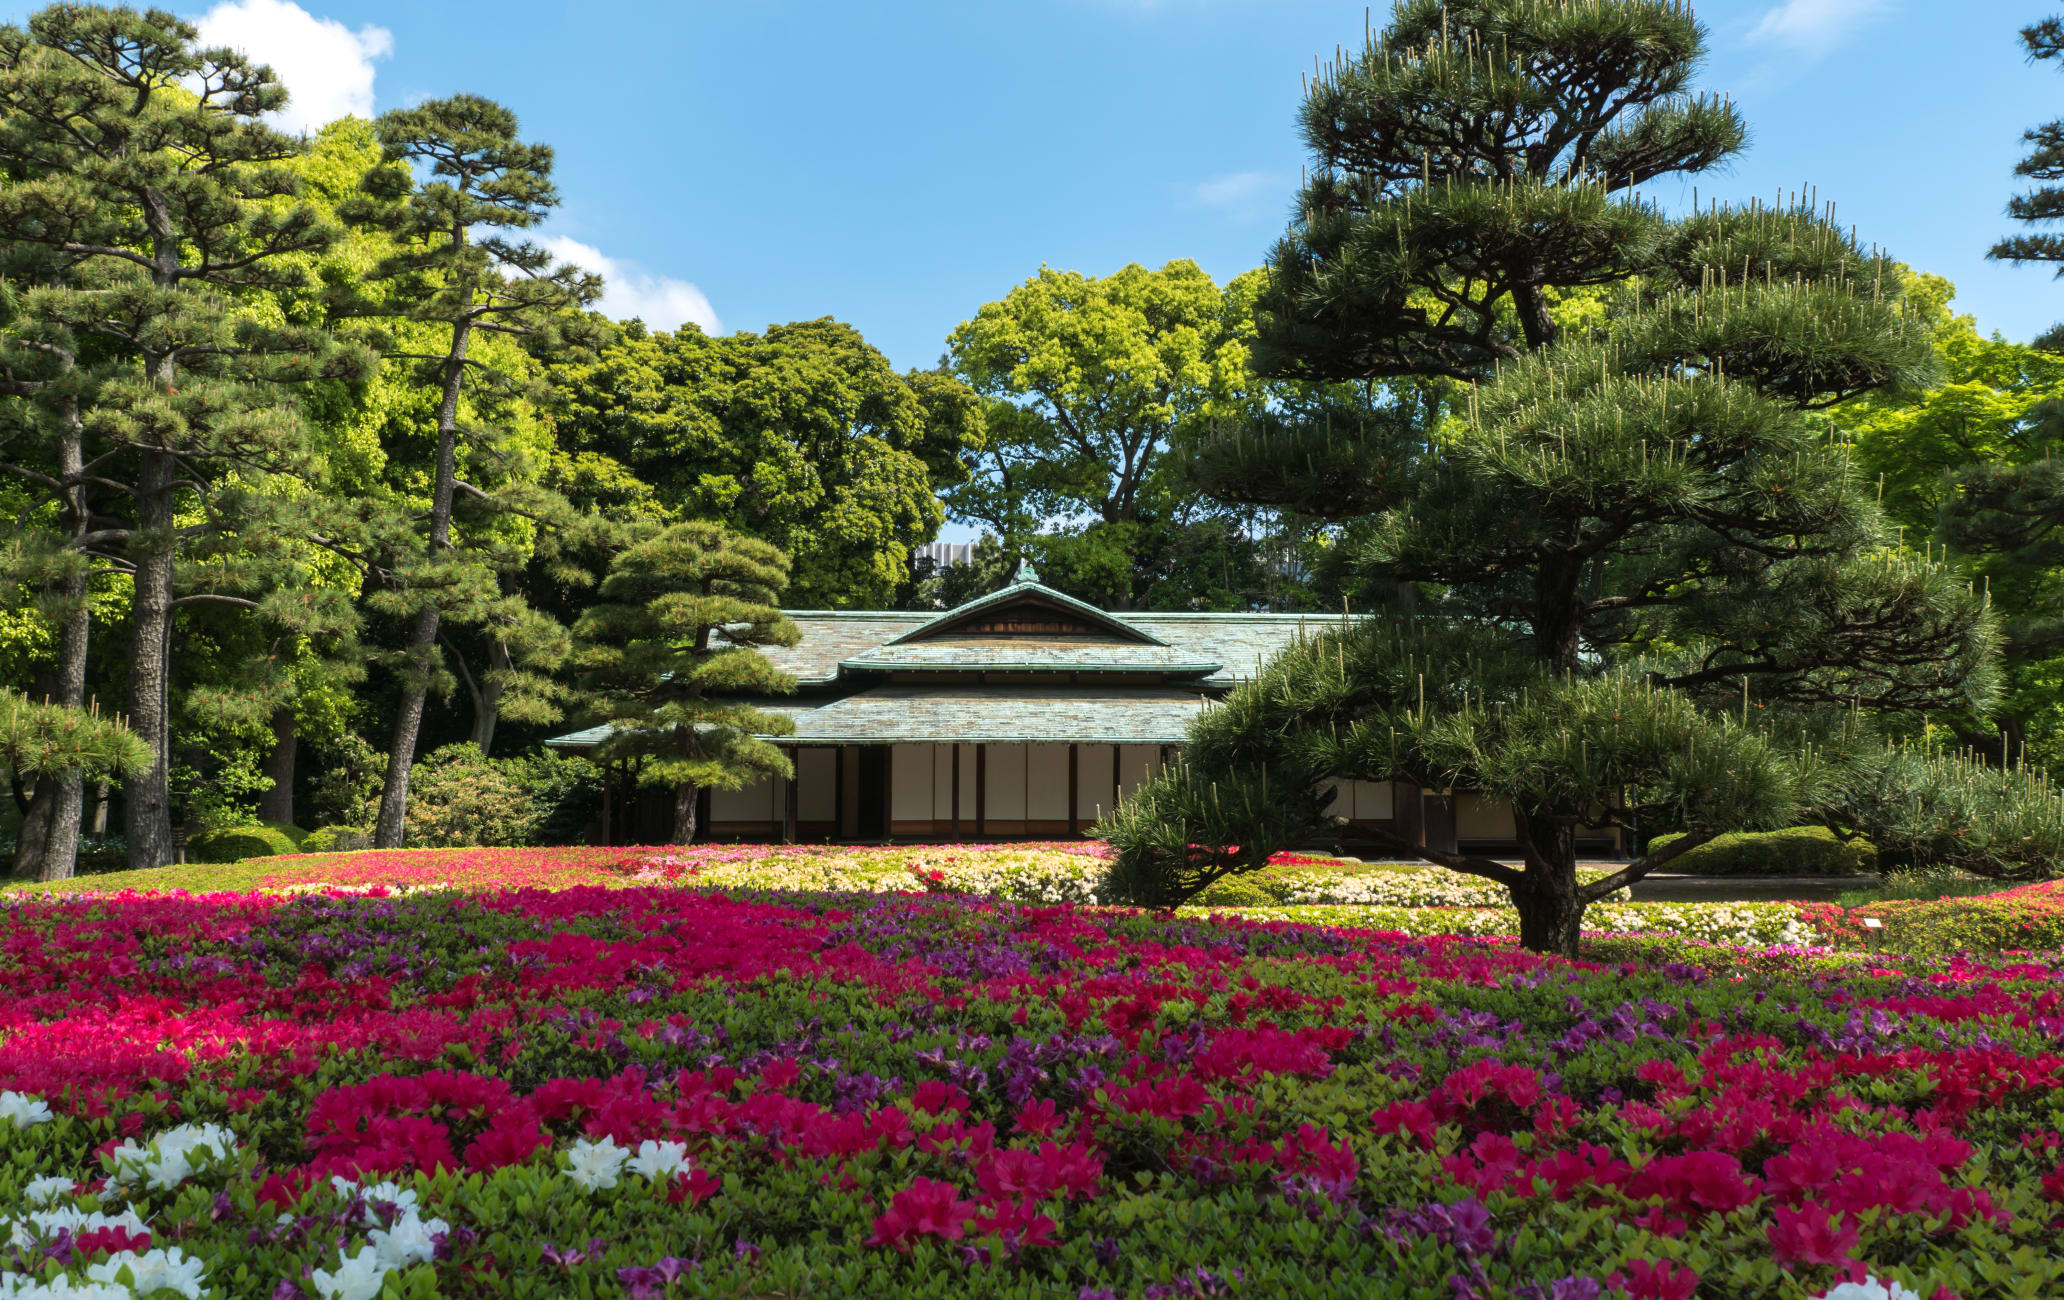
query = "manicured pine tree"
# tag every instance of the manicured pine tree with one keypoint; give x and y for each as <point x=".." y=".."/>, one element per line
<point x="140" y="164"/>
<point x="458" y="272"/>
<point x="1632" y="528"/>
<point x="2044" y="204"/>
<point x="669" y="650"/>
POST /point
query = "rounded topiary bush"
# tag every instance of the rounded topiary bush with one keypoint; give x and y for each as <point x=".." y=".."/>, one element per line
<point x="237" y="843"/>
<point x="1798" y="851"/>
<point x="1245" y="890"/>
<point x="294" y="833"/>
<point x="337" y="839"/>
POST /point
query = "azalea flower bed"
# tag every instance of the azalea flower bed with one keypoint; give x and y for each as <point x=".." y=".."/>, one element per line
<point x="652" y="1091"/>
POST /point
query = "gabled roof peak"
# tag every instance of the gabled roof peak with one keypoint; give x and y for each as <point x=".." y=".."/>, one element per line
<point x="1029" y="592"/>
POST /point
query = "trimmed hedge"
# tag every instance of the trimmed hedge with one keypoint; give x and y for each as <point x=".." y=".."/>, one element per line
<point x="1799" y="851"/>
<point x="336" y="839"/>
<point x="238" y="843"/>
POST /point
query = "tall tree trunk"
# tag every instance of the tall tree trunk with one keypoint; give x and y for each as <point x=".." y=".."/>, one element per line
<point x="277" y="804"/>
<point x="147" y="796"/>
<point x="1550" y="904"/>
<point x="685" y="797"/>
<point x="31" y="841"/>
<point x="60" y="800"/>
<point x="422" y="646"/>
<point x="487" y="700"/>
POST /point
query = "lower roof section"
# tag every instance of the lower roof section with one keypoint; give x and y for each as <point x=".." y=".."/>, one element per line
<point x="964" y="715"/>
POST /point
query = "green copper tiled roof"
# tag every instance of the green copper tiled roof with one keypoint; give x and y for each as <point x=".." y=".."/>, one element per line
<point x="1040" y="654"/>
<point x="1238" y="641"/>
<point x="926" y="715"/>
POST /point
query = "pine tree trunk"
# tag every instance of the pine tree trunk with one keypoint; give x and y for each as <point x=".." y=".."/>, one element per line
<point x="31" y="841"/>
<point x="422" y="646"/>
<point x="1550" y="906"/>
<point x="277" y="804"/>
<point x="685" y="797"/>
<point x="147" y="796"/>
<point x="60" y="800"/>
<point x="487" y="701"/>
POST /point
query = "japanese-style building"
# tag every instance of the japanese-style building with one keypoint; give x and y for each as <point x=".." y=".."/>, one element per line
<point x="1024" y="713"/>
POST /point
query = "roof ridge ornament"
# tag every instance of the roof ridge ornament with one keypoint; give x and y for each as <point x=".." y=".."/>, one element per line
<point x="1026" y="573"/>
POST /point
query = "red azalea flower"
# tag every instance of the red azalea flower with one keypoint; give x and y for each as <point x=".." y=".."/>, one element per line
<point x="1646" y="1279"/>
<point x="926" y="1208"/>
<point x="1808" y="1235"/>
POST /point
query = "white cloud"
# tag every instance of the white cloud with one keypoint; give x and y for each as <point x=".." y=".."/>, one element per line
<point x="628" y="290"/>
<point x="1813" y="27"/>
<point x="326" y="67"/>
<point x="1239" y="189"/>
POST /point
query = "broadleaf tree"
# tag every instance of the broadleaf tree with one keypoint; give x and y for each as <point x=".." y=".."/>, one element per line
<point x="670" y="655"/>
<point x="1626" y="530"/>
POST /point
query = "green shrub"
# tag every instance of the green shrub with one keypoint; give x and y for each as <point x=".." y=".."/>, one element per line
<point x="1800" y="851"/>
<point x="337" y="839"/>
<point x="461" y="798"/>
<point x="238" y="843"/>
<point x="1245" y="890"/>
<point x="294" y="833"/>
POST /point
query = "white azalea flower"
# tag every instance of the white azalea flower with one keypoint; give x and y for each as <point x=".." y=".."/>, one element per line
<point x="657" y="1160"/>
<point x="410" y="1241"/>
<point x="173" y="1156"/>
<point x="403" y="1199"/>
<point x="23" y="1110"/>
<point x="595" y="1165"/>
<point x="358" y="1277"/>
<point x="42" y="1191"/>
<point x="153" y="1270"/>
<point x="16" y="1286"/>
<point x="1872" y="1289"/>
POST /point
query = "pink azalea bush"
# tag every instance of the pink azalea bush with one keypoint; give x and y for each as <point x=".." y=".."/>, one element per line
<point x="658" y="1090"/>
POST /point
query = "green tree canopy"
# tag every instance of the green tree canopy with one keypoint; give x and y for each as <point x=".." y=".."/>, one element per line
<point x="803" y="436"/>
<point x="1094" y="382"/>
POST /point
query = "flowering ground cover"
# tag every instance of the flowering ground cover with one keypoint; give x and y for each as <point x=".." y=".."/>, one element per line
<point x="652" y="1091"/>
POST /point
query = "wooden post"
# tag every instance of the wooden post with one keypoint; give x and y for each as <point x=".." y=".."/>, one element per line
<point x="703" y="799"/>
<point x="1074" y="784"/>
<point x="838" y="798"/>
<point x="956" y="791"/>
<point x="1117" y="767"/>
<point x="791" y="802"/>
<point x="981" y="792"/>
<point x="608" y="784"/>
<point x="888" y="793"/>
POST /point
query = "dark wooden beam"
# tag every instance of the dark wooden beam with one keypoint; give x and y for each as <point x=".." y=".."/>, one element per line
<point x="981" y="792"/>
<point x="791" y="803"/>
<point x="838" y="798"/>
<point x="1074" y="784"/>
<point x="956" y="792"/>
<point x="888" y="792"/>
<point x="608" y="784"/>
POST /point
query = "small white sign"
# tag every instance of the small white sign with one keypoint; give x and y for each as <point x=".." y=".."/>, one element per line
<point x="1873" y="923"/>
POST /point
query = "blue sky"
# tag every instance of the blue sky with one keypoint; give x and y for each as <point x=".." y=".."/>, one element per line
<point x="896" y="163"/>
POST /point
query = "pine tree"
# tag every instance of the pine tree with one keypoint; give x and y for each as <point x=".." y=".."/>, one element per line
<point x="458" y="272"/>
<point x="1631" y="528"/>
<point x="670" y="649"/>
<point x="48" y="743"/>
<point x="139" y="164"/>
<point x="2044" y="204"/>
